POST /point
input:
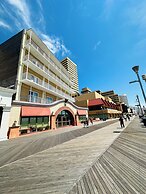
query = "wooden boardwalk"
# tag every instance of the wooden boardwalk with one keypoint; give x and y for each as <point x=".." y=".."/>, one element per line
<point x="22" y="147"/>
<point x="83" y="164"/>
<point x="121" y="169"/>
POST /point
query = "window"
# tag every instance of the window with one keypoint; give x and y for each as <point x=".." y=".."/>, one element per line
<point x="24" y="121"/>
<point x="39" y="120"/>
<point x="49" y="100"/>
<point x="33" y="96"/>
<point x="34" y="79"/>
<point x="82" y="118"/>
<point x="46" y="120"/>
<point x="32" y="120"/>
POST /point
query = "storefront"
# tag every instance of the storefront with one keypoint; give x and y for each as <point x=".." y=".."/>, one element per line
<point x="34" y="117"/>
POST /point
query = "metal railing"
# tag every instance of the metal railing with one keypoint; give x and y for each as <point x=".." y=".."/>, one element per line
<point x="35" y="99"/>
<point x="47" y="57"/>
<point x="45" y="70"/>
<point x="45" y="85"/>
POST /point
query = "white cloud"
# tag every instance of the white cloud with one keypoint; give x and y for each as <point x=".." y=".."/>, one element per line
<point x="4" y="25"/>
<point x="20" y="15"/>
<point x="21" y="10"/>
<point x="96" y="45"/>
<point x="136" y="14"/>
<point x="55" y="44"/>
<point x="108" y="5"/>
<point x="40" y="4"/>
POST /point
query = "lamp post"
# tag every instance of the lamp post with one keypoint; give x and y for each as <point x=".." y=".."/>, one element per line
<point x="137" y="99"/>
<point x="135" y="69"/>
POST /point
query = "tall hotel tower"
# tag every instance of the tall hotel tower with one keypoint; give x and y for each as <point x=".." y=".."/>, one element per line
<point x="27" y="65"/>
<point x="71" y="67"/>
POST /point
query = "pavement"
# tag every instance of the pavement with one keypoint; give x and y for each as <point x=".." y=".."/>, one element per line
<point x="100" y="159"/>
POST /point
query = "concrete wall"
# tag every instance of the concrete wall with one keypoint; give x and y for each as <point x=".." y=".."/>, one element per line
<point x="89" y="96"/>
<point x="5" y="103"/>
<point x="83" y="103"/>
<point x="9" y="56"/>
<point x="14" y="115"/>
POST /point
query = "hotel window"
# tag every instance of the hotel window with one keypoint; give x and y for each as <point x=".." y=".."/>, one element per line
<point x="34" y="79"/>
<point x="49" y="100"/>
<point x="33" y="96"/>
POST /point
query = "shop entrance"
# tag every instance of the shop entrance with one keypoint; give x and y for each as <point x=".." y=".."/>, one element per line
<point x="64" y="118"/>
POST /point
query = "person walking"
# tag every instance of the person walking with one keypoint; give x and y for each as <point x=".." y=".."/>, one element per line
<point x="91" y="121"/>
<point x="121" y="122"/>
<point x="87" y="122"/>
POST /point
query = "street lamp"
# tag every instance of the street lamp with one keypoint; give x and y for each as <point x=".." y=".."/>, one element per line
<point x="144" y="77"/>
<point x="135" y="69"/>
<point x="139" y="105"/>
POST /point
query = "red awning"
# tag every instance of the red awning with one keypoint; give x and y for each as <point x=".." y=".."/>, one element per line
<point x="95" y="102"/>
<point x="105" y="103"/>
<point x="35" y="111"/>
<point x="82" y="112"/>
<point x="108" y="103"/>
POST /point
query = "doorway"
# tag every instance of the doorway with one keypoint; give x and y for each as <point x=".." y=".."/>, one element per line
<point x="64" y="118"/>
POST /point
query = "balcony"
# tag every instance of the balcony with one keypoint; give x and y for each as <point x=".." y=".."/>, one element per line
<point x="35" y="66"/>
<point x="41" y="85"/>
<point x="48" y="60"/>
<point x="35" y="99"/>
<point x="105" y="111"/>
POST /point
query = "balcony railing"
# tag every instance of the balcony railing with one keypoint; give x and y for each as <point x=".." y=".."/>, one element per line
<point x="47" y="58"/>
<point x="35" y="99"/>
<point x="45" y="85"/>
<point x="44" y="69"/>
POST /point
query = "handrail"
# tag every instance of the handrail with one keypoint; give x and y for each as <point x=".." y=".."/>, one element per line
<point x="44" y="69"/>
<point x="47" y="57"/>
<point x="46" y="85"/>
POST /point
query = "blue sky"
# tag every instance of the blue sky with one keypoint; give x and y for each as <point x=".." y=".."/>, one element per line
<point x="105" y="38"/>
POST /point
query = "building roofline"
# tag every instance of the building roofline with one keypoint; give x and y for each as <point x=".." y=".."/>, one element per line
<point x="69" y="60"/>
<point x="7" y="90"/>
<point x="23" y="103"/>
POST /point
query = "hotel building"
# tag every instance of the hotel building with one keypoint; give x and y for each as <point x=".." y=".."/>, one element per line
<point x="124" y="99"/>
<point x="71" y="67"/>
<point x="99" y="106"/>
<point x="115" y="98"/>
<point x="43" y="86"/>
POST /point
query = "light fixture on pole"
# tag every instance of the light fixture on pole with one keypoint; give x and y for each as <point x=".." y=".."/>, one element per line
<point x="144" y="77"/>
<point x="136" y="69"/>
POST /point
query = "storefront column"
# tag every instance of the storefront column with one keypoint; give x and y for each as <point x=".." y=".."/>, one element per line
<point x="52" y="122"/>
<point x="4" y="123"/>
<point x="77" y="120"/>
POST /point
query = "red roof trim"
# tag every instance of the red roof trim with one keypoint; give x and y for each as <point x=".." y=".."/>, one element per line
<point x="95" y="102"/>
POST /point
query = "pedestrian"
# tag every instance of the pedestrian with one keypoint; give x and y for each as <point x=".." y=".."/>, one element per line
<point x="91" y="121"/>
<point x="128" y="117"/>
<point x="84" y="123"/>
<point x="121" y="121"/>
<point x="125" y="117"/>
<point x="87" y="122"/>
